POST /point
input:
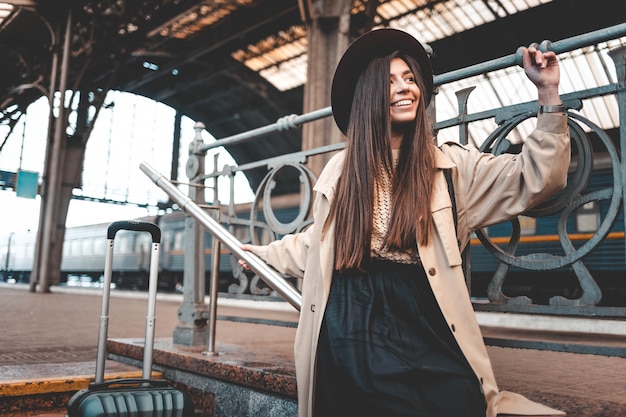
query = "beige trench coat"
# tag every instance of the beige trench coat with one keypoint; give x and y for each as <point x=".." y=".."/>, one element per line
<point x="488" y="190"/>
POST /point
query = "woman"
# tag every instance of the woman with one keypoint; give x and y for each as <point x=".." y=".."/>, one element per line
<point x="386" y="325"/>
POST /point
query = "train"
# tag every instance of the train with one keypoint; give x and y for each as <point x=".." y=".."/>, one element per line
<point x="84" y="253"/>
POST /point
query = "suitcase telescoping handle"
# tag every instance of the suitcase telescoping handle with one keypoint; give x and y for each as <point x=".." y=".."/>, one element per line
<point x="136" y="226"/>
<point x="103" y="328"/>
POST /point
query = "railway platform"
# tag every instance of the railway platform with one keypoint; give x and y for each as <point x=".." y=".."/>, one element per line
<point x="48" y="350"/>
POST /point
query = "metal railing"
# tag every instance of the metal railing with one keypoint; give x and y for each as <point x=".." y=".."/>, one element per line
<point x="229" y="225"/>
<point x="277" y="282"/>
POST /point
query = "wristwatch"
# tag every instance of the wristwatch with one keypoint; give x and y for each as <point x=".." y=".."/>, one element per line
<point x="553" y="108"/>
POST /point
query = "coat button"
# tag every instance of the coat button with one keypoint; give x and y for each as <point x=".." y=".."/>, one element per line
<point x="313" y="308"/>
<point x="453" y="327"/>
<point x="432" y="272"/>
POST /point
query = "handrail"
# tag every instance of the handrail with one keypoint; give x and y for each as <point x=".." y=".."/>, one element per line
<point x="580" y="41"/>
<point x="286" y="122"/>
<point x="256" y="264"/>
<point x="293" y="121"/>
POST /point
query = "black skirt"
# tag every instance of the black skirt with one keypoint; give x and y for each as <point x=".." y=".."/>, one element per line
<point x="385" y="350"/>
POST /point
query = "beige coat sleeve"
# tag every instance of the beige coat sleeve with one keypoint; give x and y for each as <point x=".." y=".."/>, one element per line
<point x="494" y="189"/>
<point x="287" y="255"/>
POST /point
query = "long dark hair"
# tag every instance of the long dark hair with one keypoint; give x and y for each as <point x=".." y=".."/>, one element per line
<point x="369" y="156"/>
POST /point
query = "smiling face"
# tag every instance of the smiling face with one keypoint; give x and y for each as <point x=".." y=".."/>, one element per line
<point x="404" y="94"/>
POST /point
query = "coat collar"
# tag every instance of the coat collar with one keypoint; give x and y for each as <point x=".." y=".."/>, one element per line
<point x="442" y="161"/>
<point x="327" y="181"/>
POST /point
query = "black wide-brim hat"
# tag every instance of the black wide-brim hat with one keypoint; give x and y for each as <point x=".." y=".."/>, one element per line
<point x="377" y="43"/>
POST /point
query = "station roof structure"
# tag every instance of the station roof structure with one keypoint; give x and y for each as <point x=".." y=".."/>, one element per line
<point x="236" y="65"/>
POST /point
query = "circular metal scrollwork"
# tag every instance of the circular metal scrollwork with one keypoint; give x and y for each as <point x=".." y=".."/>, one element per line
<point x="265" y="224"/>
<point x="263" y="205"/>
<point x="240" y="275"/>
<point x="565" y="202"/>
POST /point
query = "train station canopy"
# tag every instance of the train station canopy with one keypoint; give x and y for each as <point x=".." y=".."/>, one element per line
<point x="236" y="65"/>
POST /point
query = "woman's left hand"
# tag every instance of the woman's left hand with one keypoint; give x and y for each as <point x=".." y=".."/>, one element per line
<point x="249" y="248"/>
<point x="542" y="69"/>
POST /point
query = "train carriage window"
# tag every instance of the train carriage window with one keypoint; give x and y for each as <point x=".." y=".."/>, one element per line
<point x="143" y="243"/>
<point x="528" y="225"/>
<point x="123" y="244"/>
<point x="179" y="240"/>
<point x="100" y="246"/>
<point x="87" y="247"/>
<point x="66" y="249"/>
<point x="165" y="241"/>
<point x="75" y="246"/>
<point x="588" y="217"/>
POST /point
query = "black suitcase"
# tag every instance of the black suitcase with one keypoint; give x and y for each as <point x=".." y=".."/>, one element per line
<point x="143" y="396"/>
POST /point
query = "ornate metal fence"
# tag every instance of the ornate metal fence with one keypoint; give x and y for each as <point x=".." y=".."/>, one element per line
<point x="569" y="253"/>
